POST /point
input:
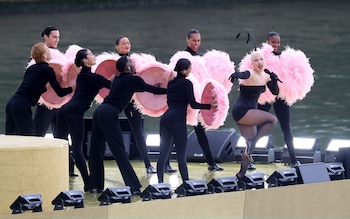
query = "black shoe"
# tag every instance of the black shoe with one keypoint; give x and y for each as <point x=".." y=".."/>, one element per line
<point x="136" y="192"/>
<point x="297" y="163"/>
<point x="251" y="166"/>
<point x="151" y="169"/>
<point x="169" y="169"/>
<point x="215" y="167"/>
<point x="96" y="190"/>
<point x="73" y="175"/>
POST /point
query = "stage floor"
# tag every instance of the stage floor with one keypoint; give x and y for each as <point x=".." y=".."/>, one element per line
<point x="196" y="171"/>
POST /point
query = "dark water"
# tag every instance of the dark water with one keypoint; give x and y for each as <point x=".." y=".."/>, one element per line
<point x="319" y="29"/>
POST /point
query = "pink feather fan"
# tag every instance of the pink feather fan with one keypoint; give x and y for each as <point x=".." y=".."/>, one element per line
<point x="296" y="74"/>
<point x="154" y="73"/>
<point x="105" y="66"/>
<point x="219" y="67"/>
<point x="214" y="91"/>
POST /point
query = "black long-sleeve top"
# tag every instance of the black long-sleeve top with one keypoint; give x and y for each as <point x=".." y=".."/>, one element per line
<point x="180" y="94"/>
<point x="193" y="53"/>
<point x="34" y="82"/>
<point x="124" y="86"/>
<point x="88" y="85"/>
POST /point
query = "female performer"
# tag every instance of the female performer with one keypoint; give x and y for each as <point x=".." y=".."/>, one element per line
<point x="245" y="112"/>
<point x="173" y="122"/>
<point x="70" y="117"/>
<point x="106" y="126"/>
<point x="19" y="119"/>
<point x="123" y="46"/>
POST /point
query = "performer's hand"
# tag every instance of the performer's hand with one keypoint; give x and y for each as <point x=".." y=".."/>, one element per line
<point x="214" y="104"/>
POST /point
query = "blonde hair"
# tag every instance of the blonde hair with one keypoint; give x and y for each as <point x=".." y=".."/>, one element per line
<point x="38" y="51"/>
<point x="254" y="54"/>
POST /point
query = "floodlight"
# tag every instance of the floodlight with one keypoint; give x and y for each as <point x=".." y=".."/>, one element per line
<point x="157" y="191"/>
<point x="253" y="180"/>
<point x="153" y="140"/>
<point x="114" y="195"/>
<point x="23" y="203"/>
<point x="335" y="170"/>
<point x="192" y="187"/>
<point x="307" y="150"/>
<point x="263" y="151"/>
<point x="69" y="198"/>
<point x="223" y="184"/>
<point x="283" y="178"/>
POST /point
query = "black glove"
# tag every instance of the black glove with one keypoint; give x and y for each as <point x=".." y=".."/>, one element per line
<point x="234" y="77"/>
<point x="273" y="76"/>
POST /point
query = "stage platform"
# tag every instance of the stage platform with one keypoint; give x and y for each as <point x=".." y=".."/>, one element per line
<point x="315" y="200"/>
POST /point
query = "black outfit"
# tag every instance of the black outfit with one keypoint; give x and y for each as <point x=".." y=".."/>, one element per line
<point x="282" y="111"/>
<point x="201" y="133"/>
<point x="70" y="117"/>
<point x="43" y="118"/>
<point x="106" y="127"/>
<point x="248" y="99"/>
<point x="173" y="124"/>
<point x="18" y="110"/>
<point x="135" y="122"/>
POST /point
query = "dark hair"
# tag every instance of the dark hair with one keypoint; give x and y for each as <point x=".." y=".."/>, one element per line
<point x="121" y="63"/>
<point x="48" y="30"/>
<point x="272" y="34"/>
<point x="118" y="39"/>
<point x="182" y="64"/>
<point x="81" y="54"/>
<point x="192" y="31"/>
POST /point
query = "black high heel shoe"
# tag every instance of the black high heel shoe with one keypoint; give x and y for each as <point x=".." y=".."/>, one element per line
<point x="249" y="151"/>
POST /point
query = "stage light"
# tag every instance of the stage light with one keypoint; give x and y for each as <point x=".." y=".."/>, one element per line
<point x="223" y="184"/>
<point x="157" y="191"/>
<point x="153" y="140"/>
<point x="336" y="170"/>
<point x="263" y="152"/>
<point x="192" y="187"/>
<point x="115" y="195"/>
<point x="283" y="178"/>
<point x="333" y="147"/>
<point x="255" y="180"/>
<point x="23" y="203"/>
<point x="69" y="198"/>
<point x="307" y="150"/>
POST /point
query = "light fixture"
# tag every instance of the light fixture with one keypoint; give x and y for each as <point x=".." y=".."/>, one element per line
<point x="23" y="203"/>
<point x="283" y="178"/>
<point x="192" y="187"/>
<point x="153" y="140"/>
<point x="69" y="198"/>
<point x="336" y="170"/>
<point x="115" y="195"/>
<point x="307" y="150"/>
<point x="264" y="149"/>
<point x="157" y="191"/>
<point x="153" y="150"/>
<point x="223" y="184"/>
<point x="333" y="147"/>
<point x="255" y="180"/>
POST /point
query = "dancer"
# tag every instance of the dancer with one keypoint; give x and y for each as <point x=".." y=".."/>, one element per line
<point x="123" y="46"/>
<point x="106" y="126"/>
<point x="70" y="117"/>
<point x="193" y="40"/>
<point x="173" y="122"/>
<point x="245" y="112"/>
<point x="44" y="116"/>
<point x="19" y="119"/>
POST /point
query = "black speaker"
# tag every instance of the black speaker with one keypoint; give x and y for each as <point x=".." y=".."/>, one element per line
<point x="221" y="142"/>
<point x="223" y="184"/>
<point x="312" y="173"/>
<point x="108" y="152"/>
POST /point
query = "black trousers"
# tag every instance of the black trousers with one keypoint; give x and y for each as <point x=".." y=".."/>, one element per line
<point x="43" y="117"/>
<point x="106" y="127"/>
